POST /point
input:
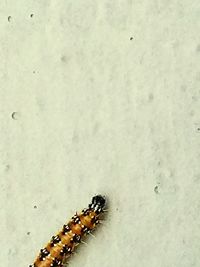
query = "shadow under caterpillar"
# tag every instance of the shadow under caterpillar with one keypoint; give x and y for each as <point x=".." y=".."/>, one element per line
<point x="61" y="246"/>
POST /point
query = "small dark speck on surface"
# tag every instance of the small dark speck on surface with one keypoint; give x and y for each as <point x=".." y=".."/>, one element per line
<point x="35" y="207"/>
<point x="7" y="168"/>
<point x="194" y="98"/>
<point x="156" y="189"/>
<point x="14" y="115"/>
<point x="64" y="58"/>
<point x="9" y="18"/>
<point x="197" y="127"/>
<point x="31" y="15"/>
<point x="28" y="233"/>
<point x="131" y="38"/>
<point x="151" y="97"/>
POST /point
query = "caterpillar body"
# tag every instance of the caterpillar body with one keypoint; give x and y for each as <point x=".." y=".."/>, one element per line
<point x="61" y="246"/>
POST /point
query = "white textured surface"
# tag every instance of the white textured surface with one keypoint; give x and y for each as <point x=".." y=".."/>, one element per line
<point x="97" y="112"/>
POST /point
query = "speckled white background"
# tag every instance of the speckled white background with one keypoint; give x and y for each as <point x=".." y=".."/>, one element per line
<point x="106" y="98"/>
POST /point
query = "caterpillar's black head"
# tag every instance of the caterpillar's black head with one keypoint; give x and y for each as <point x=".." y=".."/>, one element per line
<point x="98" y="203"/>
<point x="99" y="200"/>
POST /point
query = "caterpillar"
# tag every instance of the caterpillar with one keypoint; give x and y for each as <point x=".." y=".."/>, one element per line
<point x="62" y="245"/>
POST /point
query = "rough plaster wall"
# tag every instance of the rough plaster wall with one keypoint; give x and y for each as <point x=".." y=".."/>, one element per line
<point x="101" y="97"/>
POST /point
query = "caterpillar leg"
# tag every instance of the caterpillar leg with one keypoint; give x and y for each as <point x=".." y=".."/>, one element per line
<point x="65" y="264"/>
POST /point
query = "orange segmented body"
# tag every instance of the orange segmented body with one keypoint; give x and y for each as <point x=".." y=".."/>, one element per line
<point x="63" y="244"/>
